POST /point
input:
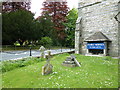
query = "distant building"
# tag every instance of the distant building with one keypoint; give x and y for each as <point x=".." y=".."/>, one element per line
<point x="98" y="28"/>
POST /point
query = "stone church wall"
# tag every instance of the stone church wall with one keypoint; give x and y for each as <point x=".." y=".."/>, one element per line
<point x="98" y="15"/>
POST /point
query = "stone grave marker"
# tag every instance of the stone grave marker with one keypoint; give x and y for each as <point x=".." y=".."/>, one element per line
<point x="49" y="54"/>
<point x="71" y="62"/>
<point x="47" y="68"/>
<point x="42" y="50"/>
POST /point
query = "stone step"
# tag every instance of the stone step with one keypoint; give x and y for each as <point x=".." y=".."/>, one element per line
<point x="69" y="62"/>
<point x="69" y="57"/>
<point x="69" y="65"/>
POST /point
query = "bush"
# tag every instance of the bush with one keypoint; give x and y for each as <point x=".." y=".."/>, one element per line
<point x="46" y="41"/>
<point x="10" y="65"/>
<point x="17" y="43"/>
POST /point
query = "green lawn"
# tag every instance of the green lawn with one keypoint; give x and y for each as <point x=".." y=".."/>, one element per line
<point x="95" y="72"/>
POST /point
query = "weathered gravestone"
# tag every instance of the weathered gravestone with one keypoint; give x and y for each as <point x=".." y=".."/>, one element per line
<point x="47" y="68"/>
<point x="71" y="62"/>
<point x="49" y="54"/>
<point x="42" y="50"/>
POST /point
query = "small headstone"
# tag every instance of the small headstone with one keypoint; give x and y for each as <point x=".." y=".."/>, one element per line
<point x="49" y="53"/>
<point x="71" y="62"/>
<point x="47" y="68"/>
<point x="42" y="50"/>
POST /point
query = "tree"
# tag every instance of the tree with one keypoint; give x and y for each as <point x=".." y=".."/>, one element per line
<point x="58" y="11"/>
<point x="46" y="26"/>
<point x="70" y="27"/>
<point x="0" y="29"/>
<point x="17" y="25"/>
<point x="18" y="22"/>
<point x="46" y="41"/>
<point x="14" y="6"/>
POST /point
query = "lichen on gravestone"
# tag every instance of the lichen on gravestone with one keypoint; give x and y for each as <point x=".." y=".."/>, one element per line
<point x="47" y="68"/>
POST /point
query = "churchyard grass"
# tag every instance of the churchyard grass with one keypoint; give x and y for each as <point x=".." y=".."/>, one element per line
<point x="13" y="64"/>
<point x="95" y="72"/>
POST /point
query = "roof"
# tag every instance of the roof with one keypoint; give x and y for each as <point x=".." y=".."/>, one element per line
<point x="98" y="36"/>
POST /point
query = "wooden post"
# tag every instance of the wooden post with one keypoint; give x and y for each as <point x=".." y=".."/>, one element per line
<point x="30" y="52"/>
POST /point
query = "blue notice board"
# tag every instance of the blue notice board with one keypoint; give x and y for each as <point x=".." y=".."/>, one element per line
<point x="95" y="46"/>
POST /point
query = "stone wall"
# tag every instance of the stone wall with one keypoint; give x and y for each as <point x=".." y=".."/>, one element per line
<point x="119" y="30"/>
<point x="98" y="15"/>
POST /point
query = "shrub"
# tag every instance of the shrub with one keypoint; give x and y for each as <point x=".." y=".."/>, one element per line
<point x="46" y="41"/>
<point x="17" y="43"/>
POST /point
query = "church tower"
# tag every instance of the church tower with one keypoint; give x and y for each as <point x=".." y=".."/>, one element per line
<point x="98" y="28"/>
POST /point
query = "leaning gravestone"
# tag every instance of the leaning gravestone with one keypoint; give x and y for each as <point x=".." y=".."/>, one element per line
<point x="71" y="62"/>
<point x="47" y="68"/>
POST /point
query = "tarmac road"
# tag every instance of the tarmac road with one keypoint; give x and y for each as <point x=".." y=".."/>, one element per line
<point x="14" y="55"/>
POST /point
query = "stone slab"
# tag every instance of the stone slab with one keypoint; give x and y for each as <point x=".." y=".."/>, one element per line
<point x="69" y="65"/>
